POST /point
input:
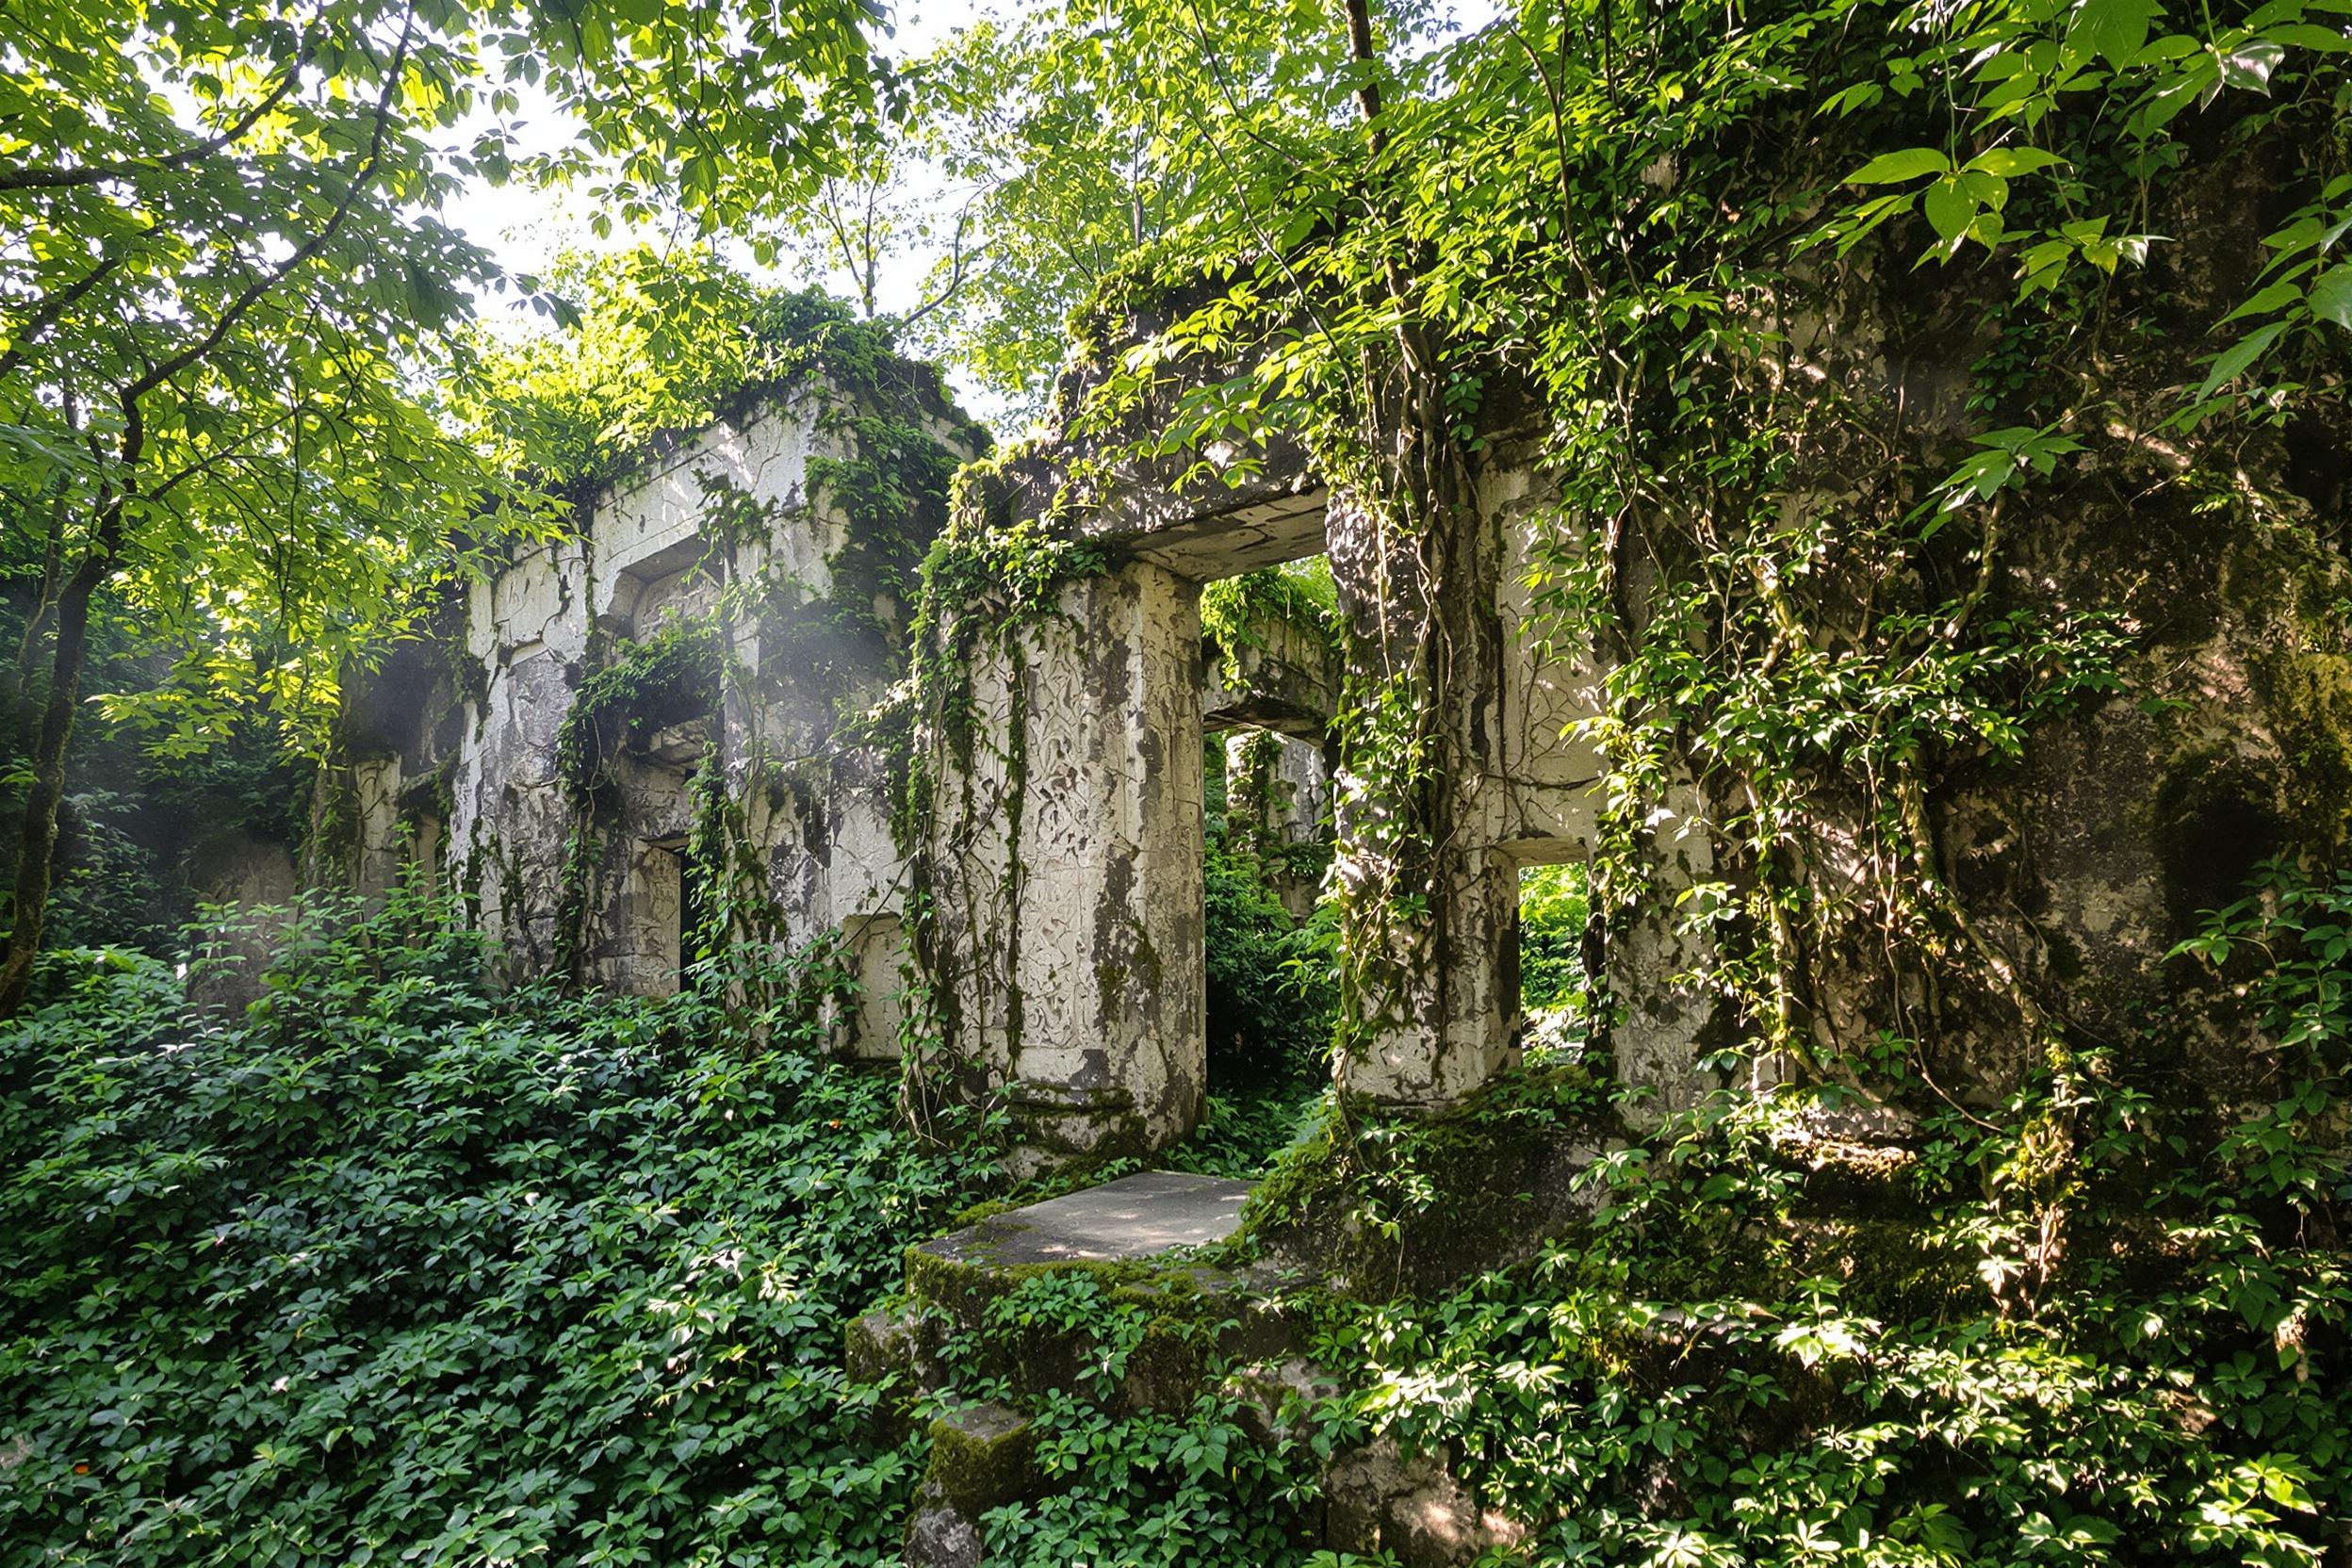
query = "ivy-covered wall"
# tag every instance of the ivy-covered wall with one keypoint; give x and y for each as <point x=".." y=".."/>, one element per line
<point x="662" y="737"/>
<point x="1955" y="763"/>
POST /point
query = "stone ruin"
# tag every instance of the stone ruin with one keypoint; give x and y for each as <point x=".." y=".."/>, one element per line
<point x="457" y="748"/>
<point x="1044" y="902"/>
<point x="457" y="768"/>
<point x="1019" y="853"/>
<point x="1060" y="858"/>
<point x="1039" y="911"/>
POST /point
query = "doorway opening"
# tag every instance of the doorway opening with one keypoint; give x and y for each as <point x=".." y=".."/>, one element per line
<point x="1270" y="662"/>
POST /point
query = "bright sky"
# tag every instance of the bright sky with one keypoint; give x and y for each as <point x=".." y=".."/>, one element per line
<point x="525" y="227"/>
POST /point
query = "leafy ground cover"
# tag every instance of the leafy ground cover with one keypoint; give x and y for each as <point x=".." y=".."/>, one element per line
<point x="391" y="1269"/>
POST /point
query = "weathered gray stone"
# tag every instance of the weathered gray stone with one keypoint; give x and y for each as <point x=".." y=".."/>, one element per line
<point x="664" y="546"/>
<point x="983" y="1456"/>
<point x="1063" y="871"/>
<point x="888" y="1342"/>
<point x="1063" y="864"/>
<point x="942" y="1538"/>
<point x="1377" y="1500"/>
<point x="1143" y="1216"/>
<point x="1284" y="678"/>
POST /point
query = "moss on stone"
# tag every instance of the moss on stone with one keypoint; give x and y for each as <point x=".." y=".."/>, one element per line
<point x="982" y="1457"/>
<point x="1397" y="1205"/>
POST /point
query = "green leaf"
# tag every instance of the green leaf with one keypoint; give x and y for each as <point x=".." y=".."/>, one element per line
<point x="2331" y="296"/>
<point x="2114" y="29"/>
<point x="1949" y="210"/>
<point x="2304" y="34"/>
<point x="2011" y="161"/>
<point x="2249" y="65"/>
<point x="2262" y="304"/>
<point x="2233" y="363"/>
<point x="1895" y="168"/>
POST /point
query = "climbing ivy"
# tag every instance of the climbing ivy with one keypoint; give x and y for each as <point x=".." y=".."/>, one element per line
<point x="1301" y="595"/>
<point x="1773" y="1345"/>
<point x="985" y="590"/>
<point x="645" y="687"/>
<point x="1661" y="240"/>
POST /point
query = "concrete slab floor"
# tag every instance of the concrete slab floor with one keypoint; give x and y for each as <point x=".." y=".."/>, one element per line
<point x="1136" y="1216"/>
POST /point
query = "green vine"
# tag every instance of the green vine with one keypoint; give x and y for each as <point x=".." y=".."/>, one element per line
<point x="665" y="679"/>
<point x="987" y="585"/>
<point x="1234" y="609"/>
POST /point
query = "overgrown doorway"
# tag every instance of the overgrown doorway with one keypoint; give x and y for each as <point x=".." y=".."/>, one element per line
<point x="1270" y="662"/>
<point x="1555" y="984"/>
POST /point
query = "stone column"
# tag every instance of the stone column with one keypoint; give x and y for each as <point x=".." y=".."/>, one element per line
<point x="1432" y="926"/>
<point x="1443" y="615"/>
<point x="1062" y="924"/>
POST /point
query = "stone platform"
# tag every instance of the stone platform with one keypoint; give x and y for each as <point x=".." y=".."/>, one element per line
<point x="953" y="1361"/>
<point x="1135" y="1217"/>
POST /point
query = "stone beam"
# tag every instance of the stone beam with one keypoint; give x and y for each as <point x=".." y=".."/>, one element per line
<point x="1284" y="678"/>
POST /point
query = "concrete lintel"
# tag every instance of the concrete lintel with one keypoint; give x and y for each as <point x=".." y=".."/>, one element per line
<point x="1245" y="538"/>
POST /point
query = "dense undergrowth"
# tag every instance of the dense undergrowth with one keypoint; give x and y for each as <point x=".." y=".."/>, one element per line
<point x="389" y="1267"/>
<point x="392" y="1269"/>
<point x="1776" y="1346"/>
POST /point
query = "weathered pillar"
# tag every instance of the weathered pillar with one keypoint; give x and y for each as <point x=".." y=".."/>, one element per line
<point x="1061" y="934"/>
<point x="1430" y="919"/>
<point x="1463" y="764"/>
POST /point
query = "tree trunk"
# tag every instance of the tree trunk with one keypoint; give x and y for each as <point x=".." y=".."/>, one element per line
<point x="36" y="847"/>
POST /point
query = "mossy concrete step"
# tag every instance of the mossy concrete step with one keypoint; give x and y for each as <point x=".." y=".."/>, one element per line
<point x="1181" y="1318"/>
<point x="1135" y="1217"/>
<point x="1135" y="1238"/>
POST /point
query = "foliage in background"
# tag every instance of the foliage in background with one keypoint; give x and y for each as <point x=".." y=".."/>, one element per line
<point x="1297" y="594"/>
<point x="653" y="346"/>
<point x="1271" y="974"/>
<point x="136" y="825"/>
<point x="1553" y="907"/>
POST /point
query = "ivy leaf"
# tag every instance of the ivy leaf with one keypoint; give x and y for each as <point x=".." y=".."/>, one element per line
<point x="2262" y="304"/>
<point x="1948" y="209"/>
<point x="2114" y="29"/>
<point x="1895" y="168"/>
<point x="2250" y="65"/>
<point x="2331" y="296"/>
<point x="2306" y="35"/>
<point x="2008" y="162"/>
<point x="2229" y="364"/>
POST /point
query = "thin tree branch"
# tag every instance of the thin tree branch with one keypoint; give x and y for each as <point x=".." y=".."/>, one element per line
<point x="37" y="326"/>
<point x="76" y="175"/>
<point x="254" y="291"/>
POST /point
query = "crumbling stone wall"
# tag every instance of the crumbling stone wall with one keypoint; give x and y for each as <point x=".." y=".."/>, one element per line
<point x="571" y="842"/>
<point x="1060" y="867"/>
<point x="2172" y="599"/>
